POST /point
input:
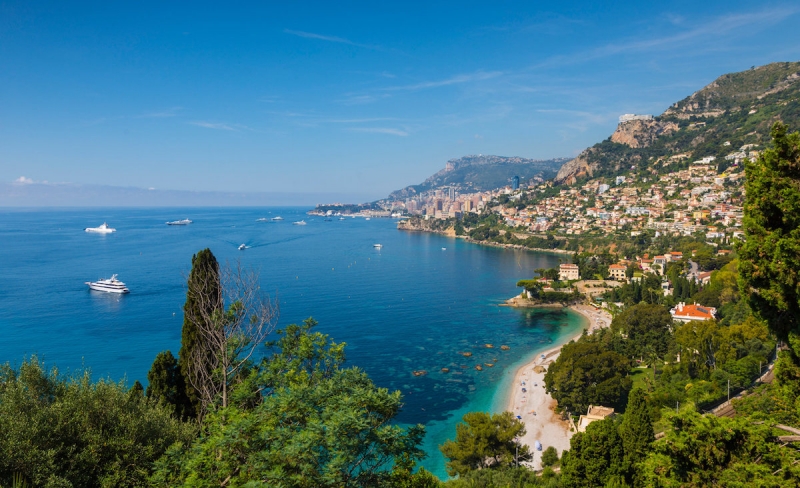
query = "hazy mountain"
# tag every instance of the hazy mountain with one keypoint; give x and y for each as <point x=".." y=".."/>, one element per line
<point x="482" y="173"/>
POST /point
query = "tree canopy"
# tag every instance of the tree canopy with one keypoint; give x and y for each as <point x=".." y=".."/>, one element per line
<point x="61" y="431"/>
<point x="485" y="440"/>
<point x="586" y="373"/>
<point x="770" y="257"/>
<point x="313" y="424"/>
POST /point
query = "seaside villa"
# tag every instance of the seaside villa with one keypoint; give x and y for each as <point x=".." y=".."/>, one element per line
<point x="568" y="272"/>
<point x="593" y="414"/>
<point x="687" y="313"/>
<point x="617" y="271"/>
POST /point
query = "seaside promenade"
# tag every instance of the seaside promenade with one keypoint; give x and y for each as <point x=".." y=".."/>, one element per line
<point x="536" y="408"/>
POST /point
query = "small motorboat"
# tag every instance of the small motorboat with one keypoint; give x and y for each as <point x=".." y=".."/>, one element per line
<point x="242" y="247"/>
<point x="180" y="222"/>
<point x="299" y="222"/>
<point x="377" y="246"/>
<point x="101" y="229"/>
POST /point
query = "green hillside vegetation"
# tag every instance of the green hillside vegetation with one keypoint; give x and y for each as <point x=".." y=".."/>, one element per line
<point x="771" y="93"/>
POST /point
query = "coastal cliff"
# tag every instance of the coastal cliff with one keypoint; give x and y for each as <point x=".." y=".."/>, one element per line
<point x="734" y="110"/>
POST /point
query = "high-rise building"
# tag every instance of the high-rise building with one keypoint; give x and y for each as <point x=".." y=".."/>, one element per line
<point x="451" y="192"/>
<point x="515" y="183"/>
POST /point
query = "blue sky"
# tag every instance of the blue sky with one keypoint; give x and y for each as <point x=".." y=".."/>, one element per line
<point x="353" y="98"/>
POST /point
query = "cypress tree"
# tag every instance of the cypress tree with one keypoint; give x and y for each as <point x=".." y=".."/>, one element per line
<point x="203" y="302"/>
<point x="636" y="431"/>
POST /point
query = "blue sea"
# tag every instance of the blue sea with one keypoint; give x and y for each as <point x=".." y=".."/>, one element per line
<point x="417" y="303"/>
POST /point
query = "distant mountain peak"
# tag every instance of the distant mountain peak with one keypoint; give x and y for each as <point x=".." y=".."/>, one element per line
<point x="474" y="173"/>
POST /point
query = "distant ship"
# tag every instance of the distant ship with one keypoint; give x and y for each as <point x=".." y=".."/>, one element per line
<point x="377" y="246"/>
<point x="103" y="229"/>
<point x="300" y="222"/>
<point x="111" y="285"/>
<point x="180" y="222"/>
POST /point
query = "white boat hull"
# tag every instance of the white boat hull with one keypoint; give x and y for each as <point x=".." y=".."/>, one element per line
<point x="95" y="287"/>
<point x="110" y="285"/>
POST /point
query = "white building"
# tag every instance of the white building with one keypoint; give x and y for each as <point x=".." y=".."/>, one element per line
<point x="630" y="117"/>
<point x="568" y="272"/>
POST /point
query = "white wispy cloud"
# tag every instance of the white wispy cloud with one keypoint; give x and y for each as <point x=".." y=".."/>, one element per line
<point x="213" y="125"/>
<point x="360" y="99"/>
<point x="320" y="37"/>
<point x="22" y="180"/>
<point x="380" y="130"/>
<point x="453" y="80"/>
<point x="170" y="112"/>
<point x="715" y="29"/>
<point x="359" y="121"/>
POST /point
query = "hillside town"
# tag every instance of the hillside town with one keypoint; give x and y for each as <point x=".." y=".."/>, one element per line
<point x="703" y="196"/>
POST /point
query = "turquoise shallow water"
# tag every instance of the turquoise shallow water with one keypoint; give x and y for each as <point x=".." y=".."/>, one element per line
<point x="415" y="304"/>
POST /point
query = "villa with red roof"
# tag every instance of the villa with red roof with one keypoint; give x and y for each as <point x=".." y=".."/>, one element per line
<point x="687" y="313"/>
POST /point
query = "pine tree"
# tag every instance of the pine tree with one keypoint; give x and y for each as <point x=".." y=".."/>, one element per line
<point x="203" y="303"/>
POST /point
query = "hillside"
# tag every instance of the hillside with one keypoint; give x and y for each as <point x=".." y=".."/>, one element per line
<point x="482" y="173"/>
<point x="737" y="108"/>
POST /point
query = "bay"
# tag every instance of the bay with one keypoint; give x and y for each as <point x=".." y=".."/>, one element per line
<point x="417" y="304"/>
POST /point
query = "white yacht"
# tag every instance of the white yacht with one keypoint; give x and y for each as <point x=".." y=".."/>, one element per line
<point x="102" y="229"/>
<point x="300" y="222"/>
<point x="262" y="219"/>
<point x="242" y="247"/>
<point x="180" y="222"/>
<point x="110" y="285"/>
<point x="277" y="218"/>
<point x="377" y="246"/>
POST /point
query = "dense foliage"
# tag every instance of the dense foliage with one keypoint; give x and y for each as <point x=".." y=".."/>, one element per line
<point x="65" y="431"/>
<point x="300" y="420"/>
<point x="770" y="257"/>
<point x="587" y="373"/>
<point x="485" y="441"/>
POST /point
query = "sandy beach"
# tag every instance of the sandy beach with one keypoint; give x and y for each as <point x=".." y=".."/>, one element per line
<point x="528" y="399"/>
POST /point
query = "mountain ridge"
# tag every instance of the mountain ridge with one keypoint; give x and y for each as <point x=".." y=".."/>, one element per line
<point x="736" y="108"/>
<point x="481" y="172"/>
